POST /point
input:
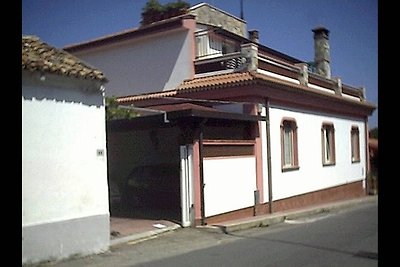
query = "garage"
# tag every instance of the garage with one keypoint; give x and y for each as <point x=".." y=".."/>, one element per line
<point x="144" y="172"/>
<point x="182" y="165"/>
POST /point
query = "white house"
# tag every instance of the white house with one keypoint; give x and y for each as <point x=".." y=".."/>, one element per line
<point x="254" y="130"/>
<point x="65" y="208"/>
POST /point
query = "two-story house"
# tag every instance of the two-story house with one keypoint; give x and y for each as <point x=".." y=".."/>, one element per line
<point x="253" y="130"/>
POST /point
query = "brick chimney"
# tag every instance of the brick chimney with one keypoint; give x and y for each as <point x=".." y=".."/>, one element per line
<point x="254" y="36"/>
<point x="321" y="52"/>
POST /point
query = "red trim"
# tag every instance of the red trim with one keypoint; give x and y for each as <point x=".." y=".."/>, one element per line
<point x="295" y="164"/>
<point x="259" y="164"/>
<point x="328" y="125"/>
<point x="229" y="142"/>
<point x="190" y="24"/>
<point x="196" y="178"/>
<point x="278" y="96"/>
<point x="355" y="147"/>
<point x="329" y="195"/>
<point x="153" y="28"/>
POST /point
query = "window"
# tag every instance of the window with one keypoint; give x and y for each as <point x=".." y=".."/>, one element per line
<point x="289" y="144"/>
<point x="328" y="144"/>
<point x="201" y="45"/>
<point x="355" y="144"/>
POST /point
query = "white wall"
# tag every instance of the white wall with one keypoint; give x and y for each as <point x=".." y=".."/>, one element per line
<point x="144" y="65"/>
<point x="312" y="175"/>
<point x="62" y="175"/>
<point x="229" y="184"/>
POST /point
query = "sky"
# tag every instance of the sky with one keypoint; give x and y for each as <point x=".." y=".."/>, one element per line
<point x="283" y="25"/>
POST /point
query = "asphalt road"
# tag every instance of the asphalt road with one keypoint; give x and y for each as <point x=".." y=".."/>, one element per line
<point x="342" y="238"/>
<point x="346" y="238"/>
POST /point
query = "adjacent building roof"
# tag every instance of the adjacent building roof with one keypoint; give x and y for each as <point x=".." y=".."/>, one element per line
<point x="152" y="28"/>
<point x="39" y="56"/>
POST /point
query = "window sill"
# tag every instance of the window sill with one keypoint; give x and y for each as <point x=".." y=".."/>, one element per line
<point x="328" y="164"/>
<point x="355" y="161"/>
<point x="288" y="169"/>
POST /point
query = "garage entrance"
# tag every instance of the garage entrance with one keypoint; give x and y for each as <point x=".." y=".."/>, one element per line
<point x="144" y="174"/>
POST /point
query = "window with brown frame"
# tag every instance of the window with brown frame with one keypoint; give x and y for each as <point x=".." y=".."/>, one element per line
<point x="355" y="144"/>
<point x="328" y="144"/>
<point x="289" y="151"/>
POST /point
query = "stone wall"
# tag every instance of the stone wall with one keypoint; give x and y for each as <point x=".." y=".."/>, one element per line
<point x="209" y="15"/>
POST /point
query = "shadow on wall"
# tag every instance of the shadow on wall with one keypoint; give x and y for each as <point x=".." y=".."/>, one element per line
<point x="67" y="93"/>
<point x="71" y="95"/>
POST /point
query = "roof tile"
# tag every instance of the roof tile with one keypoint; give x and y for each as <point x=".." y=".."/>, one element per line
<point x="39" y="56"/>
<point x="233" y="79"/>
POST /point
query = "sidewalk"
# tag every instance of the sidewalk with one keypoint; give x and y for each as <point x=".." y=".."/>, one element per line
<point x="135" y="230"/>
<point x="125" y="230"/>
<point x="278" y="217"/>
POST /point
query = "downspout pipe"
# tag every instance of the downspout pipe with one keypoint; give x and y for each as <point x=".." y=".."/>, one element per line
<point x="201" y="169"/>
<point x="147" y="110"/>
<point x="269" y="155"/>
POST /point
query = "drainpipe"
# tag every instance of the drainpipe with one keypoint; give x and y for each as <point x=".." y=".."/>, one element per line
<point x="202" y="210"/>
<point x="269" y="156"/>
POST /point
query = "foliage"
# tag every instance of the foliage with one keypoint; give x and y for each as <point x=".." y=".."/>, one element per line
<point x="114" y="110"/>
<point x="154" y="11"/>
<point x="178" y="5"/>
<point x="152" y="6"/>
<point x="373" y="133"/>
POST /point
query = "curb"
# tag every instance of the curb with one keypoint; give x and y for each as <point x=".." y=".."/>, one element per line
<point x="270" y="219"/>
<point x="143" y="236"/>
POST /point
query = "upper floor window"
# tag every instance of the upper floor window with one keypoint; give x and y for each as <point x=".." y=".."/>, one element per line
<point x="209" y="45"/>
<point x="289" y="144"/>
<point x="355" y="144"/>
<point x="328" y="144"/>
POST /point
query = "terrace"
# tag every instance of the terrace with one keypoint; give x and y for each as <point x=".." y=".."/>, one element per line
<point x="217" y="55"/>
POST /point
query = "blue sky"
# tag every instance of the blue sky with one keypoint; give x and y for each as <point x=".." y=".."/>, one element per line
<point x="283" y="25"/>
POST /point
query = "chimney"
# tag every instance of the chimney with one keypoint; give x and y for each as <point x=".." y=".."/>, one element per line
<point x="321" y="52"/>
<point x="253" y="36"/>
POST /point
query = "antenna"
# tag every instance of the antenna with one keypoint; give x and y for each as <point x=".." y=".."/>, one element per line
<point x="241" y="10"/>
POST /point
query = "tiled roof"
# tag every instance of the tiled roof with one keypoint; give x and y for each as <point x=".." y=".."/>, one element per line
<point x="234" y="79"/>
<point x="206" y="83"/>
<point x="196" y="84"/>
<point x="215" y="81"/>
<point x="183" y="106"/>
<point x="146" y="96"/>
<point x="39" y="56"/>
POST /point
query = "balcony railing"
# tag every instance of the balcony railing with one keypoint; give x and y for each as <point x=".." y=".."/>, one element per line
<point x="233" y="61"/>
<point x="250" y="59"/>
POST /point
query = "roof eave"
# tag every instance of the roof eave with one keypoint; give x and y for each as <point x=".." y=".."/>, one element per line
<point x="152" y="28"/>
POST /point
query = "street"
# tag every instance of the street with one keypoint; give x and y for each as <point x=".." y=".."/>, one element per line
<point x="343" y="238"/>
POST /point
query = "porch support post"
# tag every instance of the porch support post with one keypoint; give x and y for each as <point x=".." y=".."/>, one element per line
<point x="269" y="156"/>
<point x="201" y="169"/>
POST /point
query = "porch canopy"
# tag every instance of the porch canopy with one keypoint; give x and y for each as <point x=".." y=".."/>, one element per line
<point x="192" y="114"/>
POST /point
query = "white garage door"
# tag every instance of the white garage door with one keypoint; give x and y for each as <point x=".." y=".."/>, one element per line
<point x="229" y="177"/>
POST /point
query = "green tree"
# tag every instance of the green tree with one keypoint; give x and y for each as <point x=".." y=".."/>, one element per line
<point x="114" y="111"/>
<point x="373" y="133"/>
<point x="154" y="11"/>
